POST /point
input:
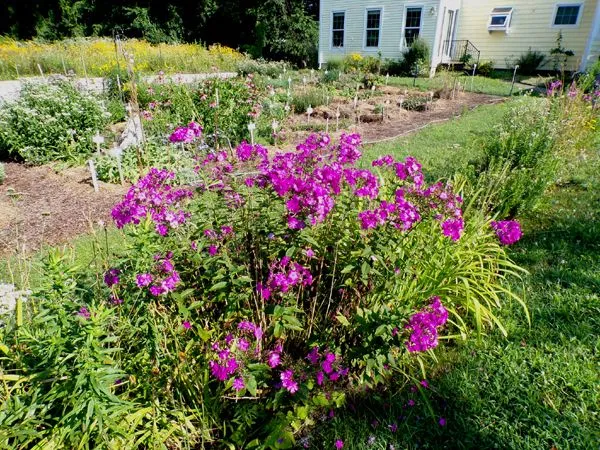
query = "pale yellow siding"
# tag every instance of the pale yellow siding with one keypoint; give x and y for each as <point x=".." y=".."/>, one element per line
<point x="531" y="27"/>
<point x="392" y="21"/>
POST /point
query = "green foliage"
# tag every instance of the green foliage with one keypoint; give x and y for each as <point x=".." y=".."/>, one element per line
<point x="416" y="103"/>
<point x="416" y="58"/>
<point x="530" y="61"/>
<point x="518" y="162"/>
<point x="310" y="97"/>
<point x="51" y="122"/>
<point x="485" y="68"/>
<point x="262" y="67"/>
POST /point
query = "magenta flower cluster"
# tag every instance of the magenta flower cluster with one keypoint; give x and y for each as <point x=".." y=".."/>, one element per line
<point x="328" y="366"/>
<point x="153" y="196"/>
<point x="424" y="326"/>
<point x="238" y="349"/>
<point x="186" y="134"/>
<point x="508" y="231"/>
<point x="283" y="275"/>
<point x="165" y="278"/>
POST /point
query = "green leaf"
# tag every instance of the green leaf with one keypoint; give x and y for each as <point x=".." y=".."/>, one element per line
<point x="220" y="285"/>
<point x="342" y="319"/>
<point x="251" y="385"/>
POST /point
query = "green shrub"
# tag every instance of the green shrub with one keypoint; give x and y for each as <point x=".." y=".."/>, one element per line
<point x="238" y="312"/>
<point x="394" y="67"/>
<point x="416" y="57"/>
<point x="415" y="103"/>
<point x="330" y="76"/>
<point x="335" y="64"/>
<point x="485" y="68"/>
<point x="51" y="122"/>
<point x="530" y="61"/>
<point x="270" y="69"/>
<point x="302" y="100"/>
<point x="519" y="161"/>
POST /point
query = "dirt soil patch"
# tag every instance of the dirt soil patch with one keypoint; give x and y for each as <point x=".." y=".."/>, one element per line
<point x="387" y="114"/>
<point x="39" y="206"/>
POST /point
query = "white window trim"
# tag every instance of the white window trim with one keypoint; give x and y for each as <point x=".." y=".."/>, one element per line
<point x="507" y="23"/>
<point x="403" y="45"/>
<point x="364" y="38"/>
<point x="558" y="5"/>
<point x="331" y="47"/>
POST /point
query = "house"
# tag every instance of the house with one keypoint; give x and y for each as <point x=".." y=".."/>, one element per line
<point x="455" y="30"/>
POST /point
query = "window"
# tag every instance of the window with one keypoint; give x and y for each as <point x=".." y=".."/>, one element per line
<point x="567" y="15"/>
<point x="337" y="39"/>
<point x="373" y="27"/>
<point x="500" y="19"/>
<point x="412" y="25"/>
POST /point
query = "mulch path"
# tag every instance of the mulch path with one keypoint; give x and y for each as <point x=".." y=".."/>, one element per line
<point x="40" y="206"/>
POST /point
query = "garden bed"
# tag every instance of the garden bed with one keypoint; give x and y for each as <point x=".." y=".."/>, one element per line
<point x="39" y="206"/>
<point x="382" y="117"/>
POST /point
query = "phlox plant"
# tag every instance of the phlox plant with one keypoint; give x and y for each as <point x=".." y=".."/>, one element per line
<point x="249" y="302"/>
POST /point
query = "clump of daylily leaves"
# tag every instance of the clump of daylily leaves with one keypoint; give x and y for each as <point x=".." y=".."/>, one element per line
<point x="285" y="280"/>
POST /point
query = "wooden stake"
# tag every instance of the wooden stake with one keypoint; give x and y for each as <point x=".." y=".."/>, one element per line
<point x="94" y="175"/>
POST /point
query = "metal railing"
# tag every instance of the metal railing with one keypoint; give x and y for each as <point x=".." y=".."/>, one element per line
<point x="462" y="51"/>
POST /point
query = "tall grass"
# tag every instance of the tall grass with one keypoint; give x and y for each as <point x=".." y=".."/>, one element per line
<point x="97" y="57"/>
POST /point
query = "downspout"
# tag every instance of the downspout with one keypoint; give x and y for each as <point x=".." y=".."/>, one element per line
<point x="595" y="32"/>
<point x="438" y="35"/>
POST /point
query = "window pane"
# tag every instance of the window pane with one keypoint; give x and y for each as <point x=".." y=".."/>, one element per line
<point x="373" y="19"/>
<point x="567" y="15"/>
<point x="413" y="17"/>
<point x="498" y="20"/>
<point x="338" y="38"/>
<point x="372" y="38"/>
<point x="410" y="34"/>
<point x="338" y="21"/>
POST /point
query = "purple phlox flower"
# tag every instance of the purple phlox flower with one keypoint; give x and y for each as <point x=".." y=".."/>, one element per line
<point x="285" y="274"/>
<point x="143" y="279"/>
<point x="274" y="359"/>
<point x="152" y="196"/>
<point x="339" y="444"/>
<point x="243" y="344"/>
<point x="320" y="377"/>
<point x="393" y="427"/>
<point x="213" y="250"/>
<point x="238" y="384"/>
<point x="411" y="402"/>
<point x="453" y="228"/>
<point x="442" y="422"/>
<point x="313" y="355"/>
<point x="424" y="383"/>
<point x="424" y="325"/>
<point x="186" y="324"/>
<point x="309" y="253"/>
<point x="115" y="300"/>
<point x="287" y="381"/>
<point x="111" y="277"/>
<point x="386" y="160"/>
<point x="508" y="231"/>
<point x="84" y="312"/>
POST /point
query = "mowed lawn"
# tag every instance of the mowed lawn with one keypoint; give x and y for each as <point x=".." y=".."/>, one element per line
<point x="539" y="388"/>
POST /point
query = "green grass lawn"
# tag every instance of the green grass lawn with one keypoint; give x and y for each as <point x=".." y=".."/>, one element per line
<point x="536" y="389"/>
<point x="479" y="84"/>
<point x="446" y="148"/>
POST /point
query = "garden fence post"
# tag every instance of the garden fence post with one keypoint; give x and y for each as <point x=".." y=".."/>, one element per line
<point x="94" y="174"/>
<point x="473" y="75"/>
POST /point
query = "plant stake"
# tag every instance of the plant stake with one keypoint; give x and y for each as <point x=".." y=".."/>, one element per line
<point x="251" y="128"/>
<point x="94" y="174"/>
<point x="512" y="86"/>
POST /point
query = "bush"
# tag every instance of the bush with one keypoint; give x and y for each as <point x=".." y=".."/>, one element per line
<point x="485" y="68"/>
<point x="416" y="57"/>
<point x="51" y="122"/>
<point x="302" y="100"/>
<point x="394" y="67"/>
<point x="519" y="161"/>
<point x="270" y="69"/>
<point x="530" y="61"/>
<point x="240" y="311"/>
